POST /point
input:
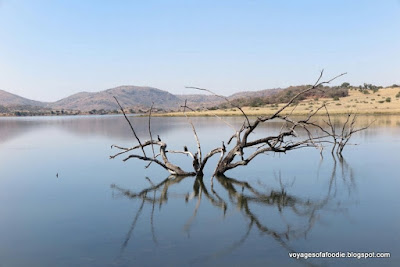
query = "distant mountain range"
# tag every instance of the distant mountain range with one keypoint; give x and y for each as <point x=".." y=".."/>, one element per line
<point x="132" y="97"/>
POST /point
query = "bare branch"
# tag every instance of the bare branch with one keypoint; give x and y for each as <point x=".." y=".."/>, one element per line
<point x="293" y="134"/>
<point x="133" y="130"/>
<point x="151" y="136"/>
<point x="223" y="97"/>
<point x="317" y="84"/>
<point x="194" y="131"/>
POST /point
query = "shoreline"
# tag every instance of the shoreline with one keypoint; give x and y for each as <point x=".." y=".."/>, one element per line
<point x="223" y="113"/>
<point x="250" y="114"/>
<point x="381" y="102"/>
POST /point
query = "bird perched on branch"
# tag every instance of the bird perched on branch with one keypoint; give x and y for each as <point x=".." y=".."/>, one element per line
<point x="185" y="149"/>
<point x="158" y="137"/>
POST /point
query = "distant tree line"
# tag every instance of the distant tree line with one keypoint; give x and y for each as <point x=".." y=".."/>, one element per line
<point x="22" y="113"/>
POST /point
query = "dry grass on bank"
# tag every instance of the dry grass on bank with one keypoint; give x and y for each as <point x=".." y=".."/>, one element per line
<point x="384" y="101"/>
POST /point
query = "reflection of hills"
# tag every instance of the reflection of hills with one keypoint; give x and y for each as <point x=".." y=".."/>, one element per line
<point x="11" y="128"/>
<point x="106" y="126"/>
<point x="115" y="127"/>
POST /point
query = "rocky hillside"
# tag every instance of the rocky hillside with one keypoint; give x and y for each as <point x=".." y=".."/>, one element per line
<point x="261" y="93"/>
<point x="10" y="100"/>
<point x="129" y="96"/>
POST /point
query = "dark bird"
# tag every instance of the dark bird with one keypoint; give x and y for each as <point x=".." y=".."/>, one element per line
<point x="57" y="175"/>
<point x="223" y="146"/>
<point x="185" y="149"/>
<point x="158" y="137"/>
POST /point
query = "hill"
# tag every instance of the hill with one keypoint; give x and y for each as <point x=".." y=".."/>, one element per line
<point x="10" y="100"/>
<point x="197" y="101"/>
<point x="129" y="96"/>
<point x="261" y="93"/>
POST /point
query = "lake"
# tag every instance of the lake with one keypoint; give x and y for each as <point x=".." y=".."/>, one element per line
<point x="95" y="213"/>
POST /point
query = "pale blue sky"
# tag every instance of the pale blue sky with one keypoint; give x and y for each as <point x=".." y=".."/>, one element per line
<point x="51" y="49"/>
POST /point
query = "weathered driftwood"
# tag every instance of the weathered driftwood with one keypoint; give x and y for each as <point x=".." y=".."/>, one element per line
<point x="317" y="136"/>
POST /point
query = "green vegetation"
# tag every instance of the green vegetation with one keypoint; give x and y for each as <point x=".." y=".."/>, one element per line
<point x="345" y="85"/>
<point x="256" y="102"/>
<point x="98" y="112"/>
<point x="368" y="86"/>
<point x="40" y="112"/>
<point x="388" y="99"/>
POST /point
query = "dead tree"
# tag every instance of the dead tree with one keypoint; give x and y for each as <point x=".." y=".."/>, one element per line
<point x="232" y="152"/>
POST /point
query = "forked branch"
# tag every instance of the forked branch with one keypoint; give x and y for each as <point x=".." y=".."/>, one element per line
<point x="242" y="149"/>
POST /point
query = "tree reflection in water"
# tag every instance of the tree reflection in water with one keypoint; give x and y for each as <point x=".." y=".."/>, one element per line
<point x="243" y="195"/>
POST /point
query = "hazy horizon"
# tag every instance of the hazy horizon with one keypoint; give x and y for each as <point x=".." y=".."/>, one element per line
<point x="51" y="50"/>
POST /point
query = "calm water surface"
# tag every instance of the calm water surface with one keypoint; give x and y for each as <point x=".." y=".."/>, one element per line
<point x="102" y="212"/>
